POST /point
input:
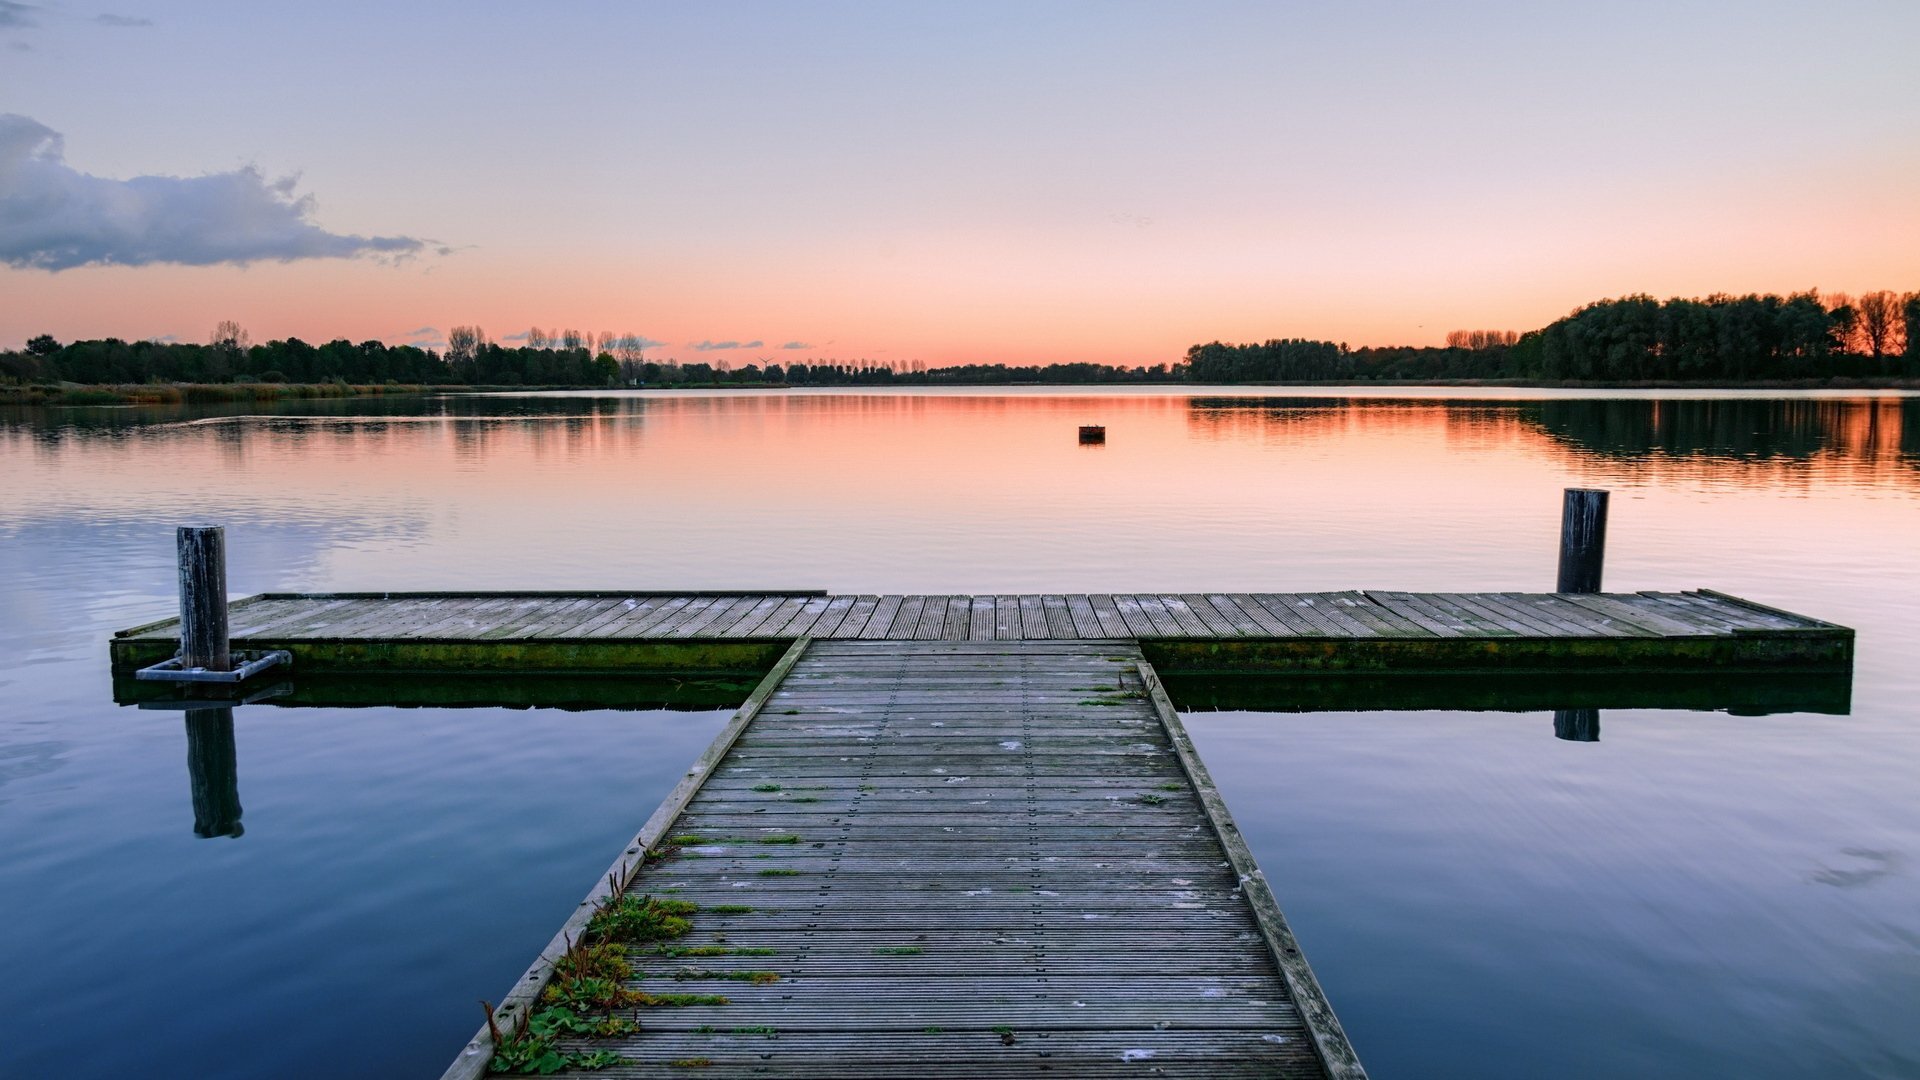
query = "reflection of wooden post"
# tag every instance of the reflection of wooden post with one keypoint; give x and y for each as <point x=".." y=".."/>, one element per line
<point x="1577" y="725"/>
<point x="213" y="770"/>
<point x="1583" y="540"/>
<point x="203" y="598"/>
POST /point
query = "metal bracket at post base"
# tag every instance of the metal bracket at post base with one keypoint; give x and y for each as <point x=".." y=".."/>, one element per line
<point x="251" y="664"/>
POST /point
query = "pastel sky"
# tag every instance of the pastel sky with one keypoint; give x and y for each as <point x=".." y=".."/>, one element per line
<point x="997" y="182"/>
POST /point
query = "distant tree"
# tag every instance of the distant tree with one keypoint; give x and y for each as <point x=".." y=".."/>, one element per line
<point x="1911" y="312"/>
<point x="1843" y="320"/>
<point x="536" y="338"/>
<point x="44" y="345"/>
<point x="572" y="339"/>
<point x="230" y="335"/>
<point x="1481" y="339"/>
<point x="1880" y="321"/>
<point x="629" y="348"/>
<point x="463" y="344"/>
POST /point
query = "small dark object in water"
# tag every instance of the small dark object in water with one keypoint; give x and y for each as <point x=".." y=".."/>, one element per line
<point x="1093" y="433"/>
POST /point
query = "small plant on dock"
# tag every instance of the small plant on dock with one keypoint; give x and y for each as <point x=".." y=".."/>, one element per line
<point x="678" y="1001"/>
<point x="899" y="950"/>
<point x="765" y="787"/>
<point x="689" y="1063"/>
<point x="641" y="919"/>
<point x="730" y="909"/>
<point x="779" y="873"/>
<point x="784" y="838"/>
<point x="530" y="1048"/>
<point x="687" y="840"/>
<point x="590" y="976"/>
<point x="761" y="1029"/>
<point x="1171" y="786"/>
<point x="1153" y="800"/>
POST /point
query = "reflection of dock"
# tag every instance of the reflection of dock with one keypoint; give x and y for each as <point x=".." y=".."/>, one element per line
<point x="1398" y="632"/>
<point x="966" y="834"/>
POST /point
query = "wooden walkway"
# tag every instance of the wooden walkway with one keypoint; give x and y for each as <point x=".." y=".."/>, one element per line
<point x="627" y="632"/>
<point x="967" y="858"/>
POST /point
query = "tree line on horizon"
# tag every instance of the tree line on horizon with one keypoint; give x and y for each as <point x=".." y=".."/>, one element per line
<point x="1805" y="335"/>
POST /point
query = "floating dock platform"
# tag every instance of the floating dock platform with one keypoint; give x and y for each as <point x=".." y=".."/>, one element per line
<point x="625" y="633"/>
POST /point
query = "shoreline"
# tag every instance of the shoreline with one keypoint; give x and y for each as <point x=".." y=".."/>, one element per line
<point x="83" y="394"/>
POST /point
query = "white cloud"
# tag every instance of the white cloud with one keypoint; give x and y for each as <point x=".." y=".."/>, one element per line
<point x="796" y="345"/>
<point x="718" y="346"/>
<point x="54" y="217"/>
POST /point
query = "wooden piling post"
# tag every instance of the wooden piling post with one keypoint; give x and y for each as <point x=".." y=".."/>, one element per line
<point x="203" y="598"/>
<point x="1577" y="725"/>
<point x="1583" y="540"/>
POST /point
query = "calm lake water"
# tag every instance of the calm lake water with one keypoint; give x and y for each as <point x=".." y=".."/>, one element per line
<point x="1696" y="894"/>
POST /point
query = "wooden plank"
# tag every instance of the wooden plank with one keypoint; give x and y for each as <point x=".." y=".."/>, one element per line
<point x="1595" y="622"/>
<point x="640" y="618"/>
<point x="1059" y="619"/>
<point x="625" y="610"/>
<point x="1033" y="618"/>
<point x="1006" y="618"/>
<point x="1324" y="607"/>
<point x="1086" y="622"/>
<point x="1184" y="616"/>
<point x="666" y="626"/>
<point x="1480" y="623"/>
<point x="1382" y="620"/>
<point x="933" y="619"/>
<point x="830" y="619"/>
<point x="858" y="616"/>
<point x="718" y="615"/>
<point x="959" y="618"/>
<point x="981" y="619"/>
<point x="1520" y="624"/>
<point x="810" y="614"/>
<point x="1681" y="607"/>
<point x="1243" y="623"/>
<point x="575" y="614"/>
<point x="1199" y="610"/>
<point x="883" y="615"/>
<point x="747" y="623"/>
<point x="1162" y="620"/>
<point x="1577" y="622"/>
<point x="1412" y="610"/>
<point x="906" y="621"/>
<point x="1792" y="619"/>
<point x="1112" y="623"/>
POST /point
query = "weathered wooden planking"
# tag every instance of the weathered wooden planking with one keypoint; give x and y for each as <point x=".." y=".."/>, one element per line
<point x="1010" y="861"/>
<point x="1360" y="631"/>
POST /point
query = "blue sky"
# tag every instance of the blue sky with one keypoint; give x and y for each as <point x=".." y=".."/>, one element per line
<point x="993" y="181"/>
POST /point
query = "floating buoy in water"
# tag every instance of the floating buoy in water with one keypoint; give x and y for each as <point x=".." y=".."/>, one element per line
<point x="1093" y="433"/>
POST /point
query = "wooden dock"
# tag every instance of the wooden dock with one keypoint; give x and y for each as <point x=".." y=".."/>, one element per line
<point x="961" y="858"/>
<point x="1398" y="632"/>
<point x="966" y="835"/>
